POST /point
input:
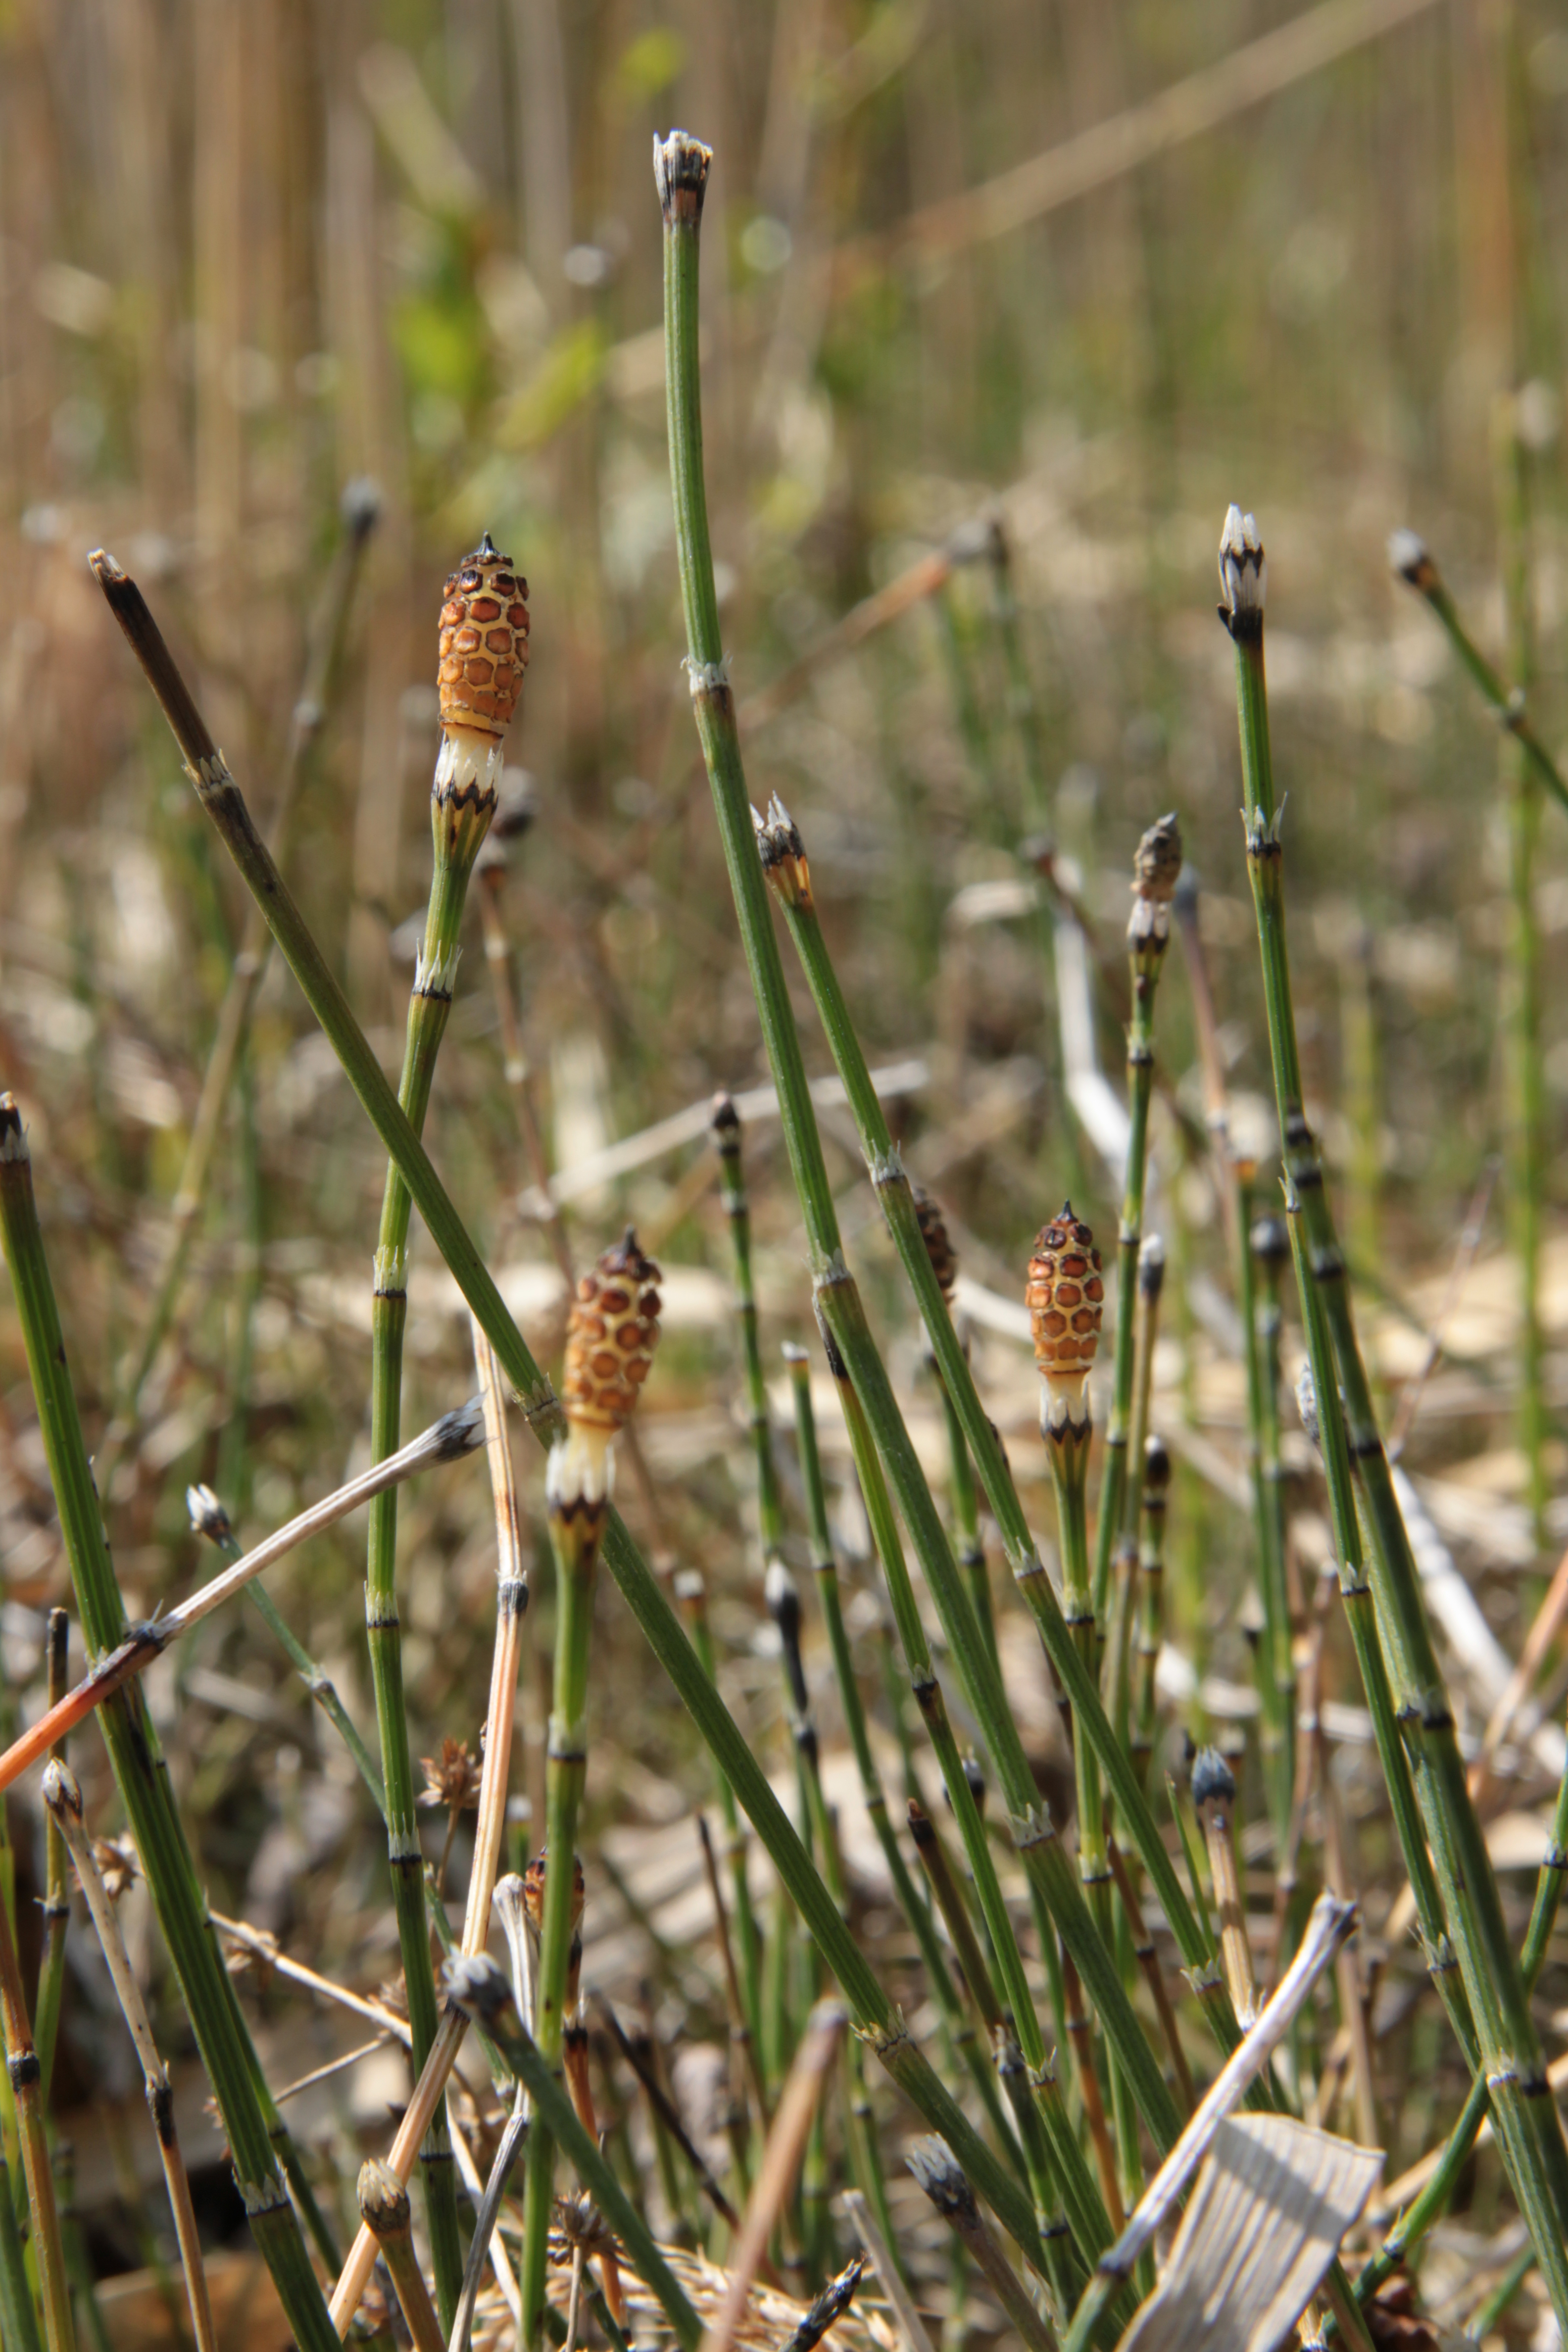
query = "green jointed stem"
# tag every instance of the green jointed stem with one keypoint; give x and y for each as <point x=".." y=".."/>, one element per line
<point x="916" y="1911"/>
<point x="140" y="1771"/>
<point x="691" y="1590"/>
<point x="1151" y="1598"/>
<point x="1266" y="1248"/>
<point x="1434" y="2199"/>
<point x="57" y="1889"/>
<point x="1156" y="867"/>
<point x="359" y="509"/>
<point x="18" y="2319"/>
<point x="1413" y="561"/>
<point x="970" y="1546"/>
<point x="478" y="1988"/>
<point x="576" y="1529"/>
<point x="1529" y="2131"/>
<point x="682" y="166"/>
<point x="22" y="2064"/>
<point x="462" y="802"/>
<point x="871" y="2009"/>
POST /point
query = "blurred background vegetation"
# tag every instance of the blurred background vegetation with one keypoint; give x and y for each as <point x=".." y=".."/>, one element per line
<point x="1092" y="269"/>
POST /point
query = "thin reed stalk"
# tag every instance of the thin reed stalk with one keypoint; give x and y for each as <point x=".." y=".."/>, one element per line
<point x="359" y="511"/>
<point x="512" y="1603"/>
<point x="1268" y="1251"/>
<point x="1530" y="2132"/>
<point x="476" y="1987"/>
<point x="139" y="1768"/>
<point x="447" y="1440"/>
<point x="1525" y="1129"/>
<point x="483" y="649"/>
<point x="610" y="1341"/>
<point x="1156" y="869"/>
<point x="62" y="1796"/>
<point x="56" y="1905"/>
<point x="681" y="168"/>
<point x="780" y="2164"/>
<point x="209" y="1519"/>
<point x="1410" y="557"/>
<point x="726" y="1133"/>
<point x="1151" y="1597"/>
<point x="18" y="2315"/>
<point x="385" y="2212"/>
<point x="932" y="2163"/>
<point x="1434" y="2197"/>
<point x="968" y="1543"/>
<point x="873" y="2014"/>
<point x="22" y="2066"/>
<point x="916" y="1912"/>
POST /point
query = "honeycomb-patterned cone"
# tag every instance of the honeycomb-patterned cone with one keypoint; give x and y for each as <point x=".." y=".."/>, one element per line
<point x="1066" y="1296"/>
<point x="484" y="641"/>
<point x="937" y="1241"/>
<point x="610" y="1338"/>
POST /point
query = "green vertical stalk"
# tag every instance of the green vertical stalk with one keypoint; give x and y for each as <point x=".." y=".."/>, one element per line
<point x="1156" y="869"/>
<point x="726" y="1131"/>
<point x="681" y="167"/>
<point x="1117" y="1671"/>
<point x="18" y="2318"/>
<point x="1434" y="2199"/>
<point x="462" y="802"/>
<point x="139" y="1768"/>
<point x="825" y="1573"/>
<point x="1268" y="1249"/>
<point x="1529" y="2131"/>
<point x="574" y="1537"/>
<point x="1525" y="1128"/>
<point x="57" y="1904"/>
<point x="22" y="2064"/>
<point x="691" y="1590"/>
<point x="1151" y="1598"/>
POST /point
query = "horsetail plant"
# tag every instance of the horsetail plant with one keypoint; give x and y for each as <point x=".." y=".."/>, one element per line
<point x="969" y="1544"/>
<point x="209" y="1519"/>
<point x="23" y="2069"/>
<point x="1529" y="2131"/>
<point x="138" y="1769"/>
<point x="874" y="2015"/>
<point x="483" y="651"/>
<point x="824" y="1575"/>
<point x="1065" y="1295"/>
<point x="1156" y="870"/>
<point x="359" y="511"/>
<point x="1150" y="1594"/>
<point x="1269" y="1252"/>
<point x="62" y="1796"/>
<point x="610" y="1343"/>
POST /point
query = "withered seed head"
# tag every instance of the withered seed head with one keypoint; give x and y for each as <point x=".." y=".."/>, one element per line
<point x="783" y="853"/>
<point x="611" y="1335"/>
<point x="453" y="1779"/>
<point x="1213" y="1782"/>
<point x="484" y="641"/>
<point x="1065" y="1296"/>
<point x="937" y="1241"/>
<point x="1157" y="860"/>
<point x="1411" y="558"/>
<point x="208" y="1516"/>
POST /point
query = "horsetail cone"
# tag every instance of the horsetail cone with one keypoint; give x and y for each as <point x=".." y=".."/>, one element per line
<point x="484" y="642"/>
<point x="938" y="1242"/>
<point x="610" y="1335"/>
<point x="1156" y="870"/>
<point x="782" y="853"/>
<point x="1066" y="1299"/>
<point x="483" y="652"/>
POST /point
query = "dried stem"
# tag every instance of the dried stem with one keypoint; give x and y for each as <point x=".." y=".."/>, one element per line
<point x="63" y="1798"/>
